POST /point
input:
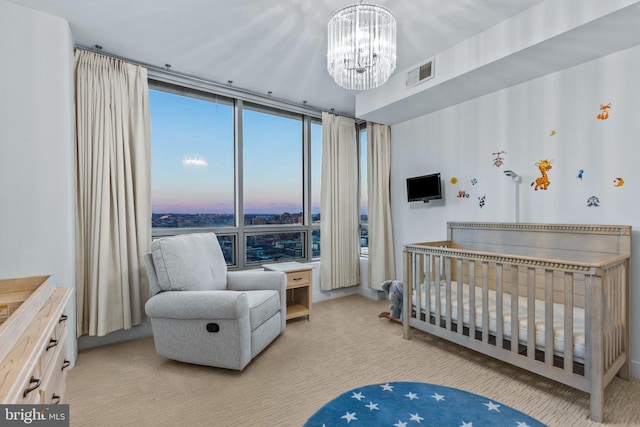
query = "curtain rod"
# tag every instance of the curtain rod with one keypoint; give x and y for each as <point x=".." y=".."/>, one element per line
<point x="168" y="76"/>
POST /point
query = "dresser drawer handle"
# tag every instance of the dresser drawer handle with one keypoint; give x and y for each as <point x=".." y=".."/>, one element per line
<point x="65" y="364"/>
<point x="297" y="278"/>
<point x="52" y="343"/>
<point x="55" y="399"/>
<point x="36" y="383"/>
<point x="63" y="318"/>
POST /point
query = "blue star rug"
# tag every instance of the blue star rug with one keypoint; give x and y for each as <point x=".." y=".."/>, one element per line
<point x="409" y="404"/>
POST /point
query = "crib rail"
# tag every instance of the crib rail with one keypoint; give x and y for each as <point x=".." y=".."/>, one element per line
<point x="442" y="279"/>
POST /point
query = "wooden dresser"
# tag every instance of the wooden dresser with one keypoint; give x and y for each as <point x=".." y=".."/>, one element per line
<point x="33" y="346"/>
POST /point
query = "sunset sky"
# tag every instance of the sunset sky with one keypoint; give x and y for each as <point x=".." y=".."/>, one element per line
<point x="193" y="158"/>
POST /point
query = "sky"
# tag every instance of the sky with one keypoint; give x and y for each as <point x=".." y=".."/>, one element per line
<point x="193" y="158"/>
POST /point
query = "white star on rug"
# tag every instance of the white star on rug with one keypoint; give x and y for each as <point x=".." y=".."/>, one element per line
<point x="386" y="387"/>
<point x="521" y="424"/>
<point x="411" y="396"/>
<point x="358" y="396"/>
<point x="372" y="406"/>
<point x="400" y="424"/>
<point x="466" y="424"/>
<point x="349" y="417"/>
<point x="492" y="406"/>
<point x="416" y="417"/>
<point x="438" y="397"/>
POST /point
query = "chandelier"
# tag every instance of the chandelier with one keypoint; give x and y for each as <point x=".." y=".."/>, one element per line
<point x="361" y="51"/>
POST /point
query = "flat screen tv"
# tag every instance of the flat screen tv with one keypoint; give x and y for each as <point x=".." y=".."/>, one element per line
<point x="424" y="188"/>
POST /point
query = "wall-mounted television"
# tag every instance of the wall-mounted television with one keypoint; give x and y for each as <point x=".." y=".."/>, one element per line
<point x="424" y="188"/>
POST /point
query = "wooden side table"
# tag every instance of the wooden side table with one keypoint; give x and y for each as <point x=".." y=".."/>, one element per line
<point x="298" y="287"/>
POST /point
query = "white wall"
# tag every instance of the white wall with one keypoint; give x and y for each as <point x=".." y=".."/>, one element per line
<point x="459" y="142"/>
<point x="37" y="189"/>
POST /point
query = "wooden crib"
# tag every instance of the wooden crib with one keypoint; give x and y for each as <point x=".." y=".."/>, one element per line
<point x="567" y="286"/>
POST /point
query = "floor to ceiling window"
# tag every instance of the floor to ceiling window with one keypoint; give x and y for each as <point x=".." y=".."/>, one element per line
<point x="316" y="180"/>
<point x="193" y="161"/>
<point x="247" y="172"/>
<point x="272" y="190"/>
<point x="364" y="196"/>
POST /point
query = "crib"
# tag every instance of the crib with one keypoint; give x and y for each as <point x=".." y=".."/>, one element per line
<point x="549" y="298"/>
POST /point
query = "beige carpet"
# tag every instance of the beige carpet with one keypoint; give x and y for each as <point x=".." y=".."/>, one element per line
<point x="345" y="345"/>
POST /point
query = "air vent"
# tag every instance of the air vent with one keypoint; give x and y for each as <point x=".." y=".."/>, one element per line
<point x="420" y="74"/>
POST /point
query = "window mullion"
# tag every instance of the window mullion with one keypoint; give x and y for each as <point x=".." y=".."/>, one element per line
<point x="239" y="196"/>
<point x="306" y="182"/>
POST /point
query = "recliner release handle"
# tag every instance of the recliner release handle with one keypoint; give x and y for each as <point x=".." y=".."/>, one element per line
<point x="213" y="327"/>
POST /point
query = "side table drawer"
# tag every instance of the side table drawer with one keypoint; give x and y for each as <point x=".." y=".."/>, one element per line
<point x="298" y="278"/>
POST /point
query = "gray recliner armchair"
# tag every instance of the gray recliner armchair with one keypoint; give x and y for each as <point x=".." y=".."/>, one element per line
<point x="201" y="313"/>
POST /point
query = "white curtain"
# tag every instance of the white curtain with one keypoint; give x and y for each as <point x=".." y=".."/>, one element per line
<point x="113" y="211"/>
<point x="340" y="222"/>
<point x="381" y="256"/>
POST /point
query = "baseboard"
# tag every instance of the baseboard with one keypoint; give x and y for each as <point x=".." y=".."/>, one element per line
<point x="337" y="293"/>
<point x="373" y="294"/>
<point x="635" y="370"/>
<point x="140" y="331"/>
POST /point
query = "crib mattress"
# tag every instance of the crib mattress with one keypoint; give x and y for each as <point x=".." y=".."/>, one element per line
<point x="540" y="339"/>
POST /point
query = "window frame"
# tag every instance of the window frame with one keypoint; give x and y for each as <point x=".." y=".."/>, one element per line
<point x="360" y="129"/>
<point x="239" y="232"/>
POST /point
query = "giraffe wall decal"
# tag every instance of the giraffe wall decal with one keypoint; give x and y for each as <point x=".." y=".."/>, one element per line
<point x="542" y="183"/>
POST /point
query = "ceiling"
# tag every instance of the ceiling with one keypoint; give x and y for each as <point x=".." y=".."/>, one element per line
<point x="265" y="45"/>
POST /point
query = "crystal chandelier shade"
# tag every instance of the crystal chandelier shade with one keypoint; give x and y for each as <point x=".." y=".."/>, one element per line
<point x="361" y="51"/>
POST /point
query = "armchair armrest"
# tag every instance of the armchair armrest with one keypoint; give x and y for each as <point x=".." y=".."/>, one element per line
<point x="261" y="280"/>
<point x="198" y="305"/>
<point x="256" y="281"/>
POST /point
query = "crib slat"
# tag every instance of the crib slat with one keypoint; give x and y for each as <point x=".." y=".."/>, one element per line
<point x="596" y="351"/>
<point x="607" y="320"/>
<point x="618" y="304"/>
<point x="485" y="302"/>
<point x="619" y="314"/>
<point x="625" y="289"/>
<point x="624" y="314"/>
<point x="613" y="314"/>
<point x="610" y="341"/>
<point x="531" y="313"/>
<point x="568" y="322"/>
<point x="588" y="308"/>
<point x="460" y="296"/>
<point x="425" y="294"/>
<point x="421" y="269"/>
<point x="419" y="265"/>
<point x="515" y="315"/>
<point x="409" y="265"/>
<point x="447" y="297"/>
<point x="548" y="317"/>
<point x="499" y="307"/>
<point x="472" y="299"/>
<point x="437" y="267"/>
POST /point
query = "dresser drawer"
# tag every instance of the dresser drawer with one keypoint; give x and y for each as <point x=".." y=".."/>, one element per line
<point x="52" y="348"/>
<point x="298" y="278"/>
<point x="61" y="326"/>
<point x="53" y="380"/>
<point x="30" y="390"/>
